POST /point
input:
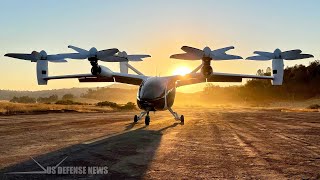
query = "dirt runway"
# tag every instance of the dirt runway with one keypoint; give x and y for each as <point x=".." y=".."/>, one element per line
<point x="224" y="143"/>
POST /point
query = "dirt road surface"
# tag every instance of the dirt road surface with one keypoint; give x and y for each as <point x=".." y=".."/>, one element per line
<point x="219" y="143"/>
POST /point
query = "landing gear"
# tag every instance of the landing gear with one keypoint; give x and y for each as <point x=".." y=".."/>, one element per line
<point x="137" y="118"/>
<point x="176" y="116"/>
<point x="147" y="120"/>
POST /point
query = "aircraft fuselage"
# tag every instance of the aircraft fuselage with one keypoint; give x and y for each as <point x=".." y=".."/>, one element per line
<point x="156" y="94"/>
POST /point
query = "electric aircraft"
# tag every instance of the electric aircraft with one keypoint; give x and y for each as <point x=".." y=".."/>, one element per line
<point x="157" y="93"/>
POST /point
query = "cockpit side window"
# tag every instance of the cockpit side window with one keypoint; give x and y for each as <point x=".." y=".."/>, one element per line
<point x="140" y="87"/>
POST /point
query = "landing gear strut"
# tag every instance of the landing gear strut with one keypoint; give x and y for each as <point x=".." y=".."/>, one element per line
<point x="176" y="116"/>
<point x="137" y="118"/>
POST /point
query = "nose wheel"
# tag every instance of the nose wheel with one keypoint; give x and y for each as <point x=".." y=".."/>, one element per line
<point x="136" y="118"/>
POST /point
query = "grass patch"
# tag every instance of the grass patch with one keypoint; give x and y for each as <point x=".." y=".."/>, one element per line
<point x="128" y="106"/>
<point x="9" y="108"/>
<point x="69" y="102"/>
<point x="314" y="106"/>
<point x="109" y="104"/>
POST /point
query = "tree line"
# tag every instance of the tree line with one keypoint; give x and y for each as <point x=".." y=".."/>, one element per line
<point x="299" y="83"/>
<point x="51" y="99"/>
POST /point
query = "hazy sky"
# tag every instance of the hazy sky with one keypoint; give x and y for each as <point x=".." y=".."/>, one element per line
<point x="158" y="28"/>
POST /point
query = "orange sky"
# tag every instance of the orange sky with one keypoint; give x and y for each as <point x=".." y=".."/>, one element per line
<point x="150" y="27"/>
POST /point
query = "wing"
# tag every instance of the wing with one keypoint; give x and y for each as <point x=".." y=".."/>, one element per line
<point x="66" y="56"/>
<point x="28" y="57"/>
<point x="129" y="78"/>
<point x="196" y="78"/>
<point x="188" y="79"/>
<point x="227" y="57"/>
<point x="115" y="77"/>
<point x="73" y="76"/>
<point x="185" y="56"/>
<point x="218" y="75"/>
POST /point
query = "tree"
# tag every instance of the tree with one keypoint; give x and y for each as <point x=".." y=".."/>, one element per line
<point x="68" y="96"/>
<point x="50" y="99"/>
<point x="23" y="99"/>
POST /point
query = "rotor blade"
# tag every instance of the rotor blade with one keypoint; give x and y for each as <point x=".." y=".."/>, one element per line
<point x="259" y="58"/>
<point x="106" y="53"/>
<point x="225" y="57"/>
<point x="79" y="50"/>
<point x="265" y="54"/>
<point x="299" y="56"/>
<point x="197" y="52"/>
<point x="66" y="56"/>
<point x="58" y="60"/>
<point x="186" y="56"/>
<point x="29" y="57"/>
<point x="222" y="50"/>
<point x="287" y="54"/>
<point x="114" y="59"/>
<point x="137" y="57"/>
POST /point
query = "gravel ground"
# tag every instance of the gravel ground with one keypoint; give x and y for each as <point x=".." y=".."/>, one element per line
<point x="222" y="143"/>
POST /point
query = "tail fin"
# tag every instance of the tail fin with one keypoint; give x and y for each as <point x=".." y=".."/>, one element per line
<point x="42" y="72"/>
<point x="277" y="71"/>
<point x="124" y="67"/>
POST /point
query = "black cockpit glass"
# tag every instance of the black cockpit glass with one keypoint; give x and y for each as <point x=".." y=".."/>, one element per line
<point x="152" y="89"/>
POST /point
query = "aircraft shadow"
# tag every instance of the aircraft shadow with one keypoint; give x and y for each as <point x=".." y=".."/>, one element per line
<point x="127" y="156"/>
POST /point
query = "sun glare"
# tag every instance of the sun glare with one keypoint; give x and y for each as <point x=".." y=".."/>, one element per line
<point x="182" y="70"/>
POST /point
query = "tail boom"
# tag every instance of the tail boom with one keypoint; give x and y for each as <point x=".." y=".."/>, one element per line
<point x="277" y="71"/>
<point x="42" y="72"/>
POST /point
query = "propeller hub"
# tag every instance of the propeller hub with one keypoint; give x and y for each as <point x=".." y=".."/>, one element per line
<point x="122" y="54"/>
<point x="93" y="52"/>
<point x="43" y="55"/>
<point x="36" y="55"/>
<point x="277" y="53"/>
<point x="207" y="51"/>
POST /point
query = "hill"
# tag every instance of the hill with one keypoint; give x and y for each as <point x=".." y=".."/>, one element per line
<point x="9" y="94"/>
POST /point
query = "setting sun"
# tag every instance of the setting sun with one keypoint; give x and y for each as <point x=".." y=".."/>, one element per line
<point x="182" y="70"/>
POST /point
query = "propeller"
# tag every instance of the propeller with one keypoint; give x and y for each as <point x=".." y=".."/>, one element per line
<point x="277" y="54"/>
<point x="42" y="55"/>
<point x="192" y="53"/>
<point x="106" y="55"/>
<point x="133" y="57"/>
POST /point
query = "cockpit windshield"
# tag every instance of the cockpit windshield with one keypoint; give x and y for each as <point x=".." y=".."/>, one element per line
<point x="152" y="88"/>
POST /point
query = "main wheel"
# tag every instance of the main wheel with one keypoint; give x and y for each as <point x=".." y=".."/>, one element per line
<point x="135" y="119"/>
<point x="182" y="119"/>
<point x="147" y="120"/>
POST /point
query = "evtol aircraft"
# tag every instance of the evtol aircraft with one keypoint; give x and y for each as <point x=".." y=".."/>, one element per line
<point x="157" y="93"/>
